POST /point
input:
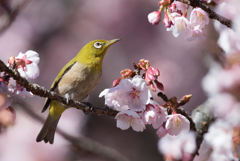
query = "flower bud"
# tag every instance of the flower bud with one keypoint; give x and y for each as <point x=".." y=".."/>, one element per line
<point x="148" y="81"/>
<point x="116" y="82"/>
<point x="152" y="87"/>
<point x="166" y="21"/>
<point x="152" y="74"/>
<point x="159" y="85"/>
<point x="126" y="73"/>
<point x="185" y="99"/>
<point x="144" y="64"/>
<point x="164" y="3"/>
<point x="11" y="62"/>
<point x="155" y="71"/>
<point x="154" y="17"/>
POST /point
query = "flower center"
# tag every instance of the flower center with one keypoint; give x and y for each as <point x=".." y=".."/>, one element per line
<point x="181" y="26"/>
<point x="21" y="63"/>
<point x="135" y="93"/>
<point x="177" y="122"/>
<point x="201" y="17"/>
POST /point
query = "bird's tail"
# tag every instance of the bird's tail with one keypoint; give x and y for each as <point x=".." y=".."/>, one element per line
<point x="48" y="130"/>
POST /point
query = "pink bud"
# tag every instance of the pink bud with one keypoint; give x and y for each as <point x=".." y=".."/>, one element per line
<point x="164" y="3"/>
<point x="154" y="17"/>
<point x="144" y="64"/>
<point x="152" y="74"/>
<point x="148" y="81"/>
<point x="155" y="71"/>
<point x="152" y="87"/>
<point x="159" y="85"/>
<point x="126" y="73"/>
<point x="166" y="21"/>
<point x="116" y="82"/>
<point x="11" y="61"/>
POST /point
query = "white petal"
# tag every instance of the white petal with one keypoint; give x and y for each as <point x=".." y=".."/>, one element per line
<point x="122" y="124"/>
<point x="138" y="125"/>
<point x="131" y="113"/>
<point x="22" y="73"/>
<point x="33" y="56"/>
<point x="32" y="71"/>
<point x="103" y="93"/>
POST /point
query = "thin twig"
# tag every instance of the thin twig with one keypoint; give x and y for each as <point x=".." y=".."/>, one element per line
<point x="12" y="13"/>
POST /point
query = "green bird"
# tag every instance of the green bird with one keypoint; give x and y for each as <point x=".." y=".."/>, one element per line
<point x="76" y="81"/>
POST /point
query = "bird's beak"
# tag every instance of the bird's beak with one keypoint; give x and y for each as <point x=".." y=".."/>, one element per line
<point x="110" y="42"/>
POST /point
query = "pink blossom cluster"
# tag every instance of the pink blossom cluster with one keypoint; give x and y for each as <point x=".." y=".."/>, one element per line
<point x="132" y="98"/>
<point x="229" y="39"/>
<point x="175" y="20"/>
<point x="179" y="147"/>
<point x="223" y="87"/>
<point x="26" y="64"/>
<point x="215" y="1"/>
<point x="218" y="143"/>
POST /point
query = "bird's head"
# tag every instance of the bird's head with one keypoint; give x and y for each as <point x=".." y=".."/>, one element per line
<point x="95" y="49"/>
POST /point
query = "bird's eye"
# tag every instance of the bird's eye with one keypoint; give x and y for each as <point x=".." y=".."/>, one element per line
<point x="97" y="45"/>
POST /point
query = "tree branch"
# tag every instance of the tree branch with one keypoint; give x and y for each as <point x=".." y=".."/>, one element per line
<point x="212" y="14"/>
<point x="82" y="144"/>
<point x="202" y="117"/>
<point x="42" y="92"/>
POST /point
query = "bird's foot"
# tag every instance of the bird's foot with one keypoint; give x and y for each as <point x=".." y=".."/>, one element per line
<point x="67" y="96"/>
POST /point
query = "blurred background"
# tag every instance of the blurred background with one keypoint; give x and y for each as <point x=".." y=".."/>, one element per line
<point x="57" y="30"/>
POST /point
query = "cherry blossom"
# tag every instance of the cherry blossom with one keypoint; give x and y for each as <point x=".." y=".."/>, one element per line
<point x="219" y="138"/>
<point x="229" y="41"/>
<point x="22" y="91"/>
<point x="178" y="147"/>
<point x="129" y="94"/>
<point x="27" y="64"/>
<point x="215" y="81"/>
<point x="154" y="17"/>
<point x="113" y="98"/>
<point x="128" y="118"/>
<point x="162" y="131"/>
<point x="149" y="114"/>
<point x="135" y="93"/>
<point x="195" y="33"/>
<point x="199" y="18"/>
<point x="179" y="6"/>
<point x="226" y="107"/>
<point x="161" y="115"/>
<point x="176" y="123"/>
<point x="180" y="28"/>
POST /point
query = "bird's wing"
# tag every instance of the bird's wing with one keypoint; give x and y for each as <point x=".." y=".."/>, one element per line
<point x="64" y="70"/>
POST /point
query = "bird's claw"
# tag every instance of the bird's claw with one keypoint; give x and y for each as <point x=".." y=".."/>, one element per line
<point x="67" y="96"/>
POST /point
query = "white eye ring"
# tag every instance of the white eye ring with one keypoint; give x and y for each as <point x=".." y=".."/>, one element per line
<point x="97" y="45"/>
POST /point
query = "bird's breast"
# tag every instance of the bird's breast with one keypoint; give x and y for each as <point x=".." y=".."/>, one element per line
<point x="79" y="81"/>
